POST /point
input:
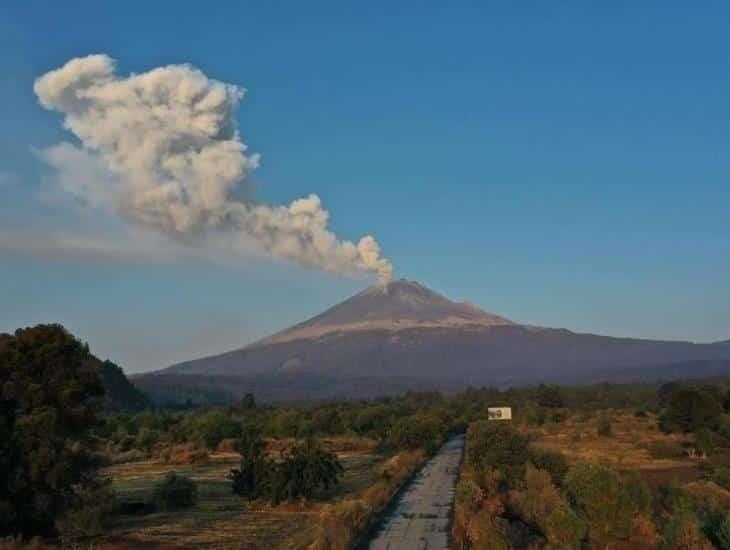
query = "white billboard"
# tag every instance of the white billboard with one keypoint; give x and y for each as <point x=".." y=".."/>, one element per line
<point x="499" y="413"/>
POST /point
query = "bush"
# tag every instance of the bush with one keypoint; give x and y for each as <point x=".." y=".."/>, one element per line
<point x="418" y="431"/>
<point x="90" y="514"/>
<point x="722" y="477"/>
<point x="722" y="533"/>
<point x="175" y="491"/>
<point x="668" y="450"/>
<point x="565" y="529"/>
<point x="500" y="447"/>
<point x="683" y="531"/>
<point x="549" y="396"/>
<point x="704" y="441"/>
<point x="539" y="498"/>
<point x="604" y="427"/>
<point x="214" y="427"/>
<point x="553" y="462"/>
<point x="605" y="501"/>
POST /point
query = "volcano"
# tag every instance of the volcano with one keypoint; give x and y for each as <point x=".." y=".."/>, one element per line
<point x="403" y="335"/>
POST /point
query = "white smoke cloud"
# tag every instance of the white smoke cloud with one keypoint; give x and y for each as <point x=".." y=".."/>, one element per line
<point x="162" y="149"/>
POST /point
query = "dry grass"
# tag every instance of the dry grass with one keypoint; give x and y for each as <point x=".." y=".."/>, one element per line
<point x="340" y="524"/>
<point x="221" y="519"/>
<point x="635" y="444"/>
<point x="627" y="448"/>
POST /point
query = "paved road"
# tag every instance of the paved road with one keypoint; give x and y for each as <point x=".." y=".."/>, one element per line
<point x="420" y="519"/>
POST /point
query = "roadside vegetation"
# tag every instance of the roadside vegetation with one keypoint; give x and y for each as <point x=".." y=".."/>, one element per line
<point x="640" y="474"/>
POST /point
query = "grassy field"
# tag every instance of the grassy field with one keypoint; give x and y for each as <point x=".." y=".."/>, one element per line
<point x="221" y="519"/>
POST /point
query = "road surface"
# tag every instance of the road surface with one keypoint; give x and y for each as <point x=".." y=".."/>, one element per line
<point x="421" y="516"/>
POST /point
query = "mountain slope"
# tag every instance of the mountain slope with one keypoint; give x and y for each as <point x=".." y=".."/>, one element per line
<point x="396" y="306"/>
<point x="406" y="331"/>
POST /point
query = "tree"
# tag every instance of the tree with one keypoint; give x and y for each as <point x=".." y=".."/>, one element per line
<point x="689" y="410"/>
<point x="604" y="427"/>
<point x="175" y="491"/>
<point x="250" y="479"/>
<point x="549" y="396"/>
<point x="248" y="403"/>
<point x="50" y="399"/>
<point x="215" y="426"/>
<point x="327" y="421"/>
<point x="304" y="472"/>
<point x="500" y="447"/>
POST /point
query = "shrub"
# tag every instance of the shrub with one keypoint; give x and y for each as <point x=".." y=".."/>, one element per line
<point x="498" y="446"/>
<point x="704" y="441"/>
<point x="175" y="491"/>
<point x="549" y="396"/>
<point x="722" y="477"/>
<point x="214" y="427"/>
<point x="418" y="431"/>
<point x="565" y="529"/>
<point x="88" y="517"/>
<point x="146" y="439"/>
<point x="553" y="462"/>
<point x="539" y="498"/>
<point x="722" y="533"/>
<point x="608" y="503"/>
<point x="683" y="531"/>
<point x="665" y="450"/>
<point x="603" y="427"/>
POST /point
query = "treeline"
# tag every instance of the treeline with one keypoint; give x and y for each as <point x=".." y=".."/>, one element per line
<point x="414" y="418"/>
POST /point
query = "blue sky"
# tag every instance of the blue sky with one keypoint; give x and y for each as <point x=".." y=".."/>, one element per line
<point x="561" y="164"/>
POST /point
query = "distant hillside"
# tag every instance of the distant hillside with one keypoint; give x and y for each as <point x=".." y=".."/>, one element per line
<point x="386" y="335"/>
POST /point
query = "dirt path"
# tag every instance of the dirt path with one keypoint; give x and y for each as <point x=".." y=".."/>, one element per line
<point x="421" y="517"/>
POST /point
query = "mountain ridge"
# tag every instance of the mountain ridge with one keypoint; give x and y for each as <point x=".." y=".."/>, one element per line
<point x="408" y="331"/>
<point x="397" y="305"/>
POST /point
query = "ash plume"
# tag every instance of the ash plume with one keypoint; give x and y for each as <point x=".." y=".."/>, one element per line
<point x="162" y="150"/>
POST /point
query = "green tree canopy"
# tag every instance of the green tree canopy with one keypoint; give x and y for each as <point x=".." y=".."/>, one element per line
<point x="690" y="409"/>
<point x="50" y="398"/>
